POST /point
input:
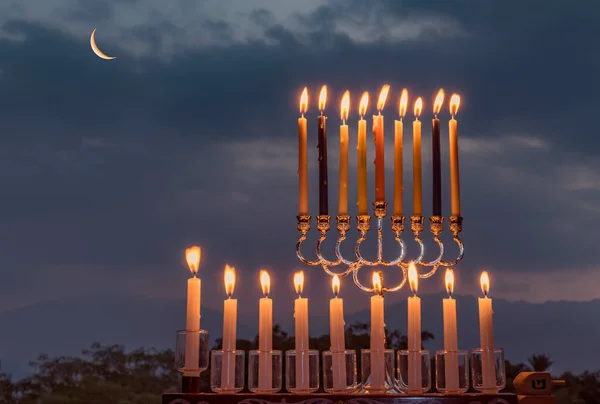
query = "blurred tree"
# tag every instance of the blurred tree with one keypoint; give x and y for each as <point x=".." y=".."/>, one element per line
<point x="539" y="363"/>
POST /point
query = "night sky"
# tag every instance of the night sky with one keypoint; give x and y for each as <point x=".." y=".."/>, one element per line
<point x="110" y="169"/>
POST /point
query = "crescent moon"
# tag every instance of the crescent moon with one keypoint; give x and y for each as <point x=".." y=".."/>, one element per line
<point x="95" y="48"/>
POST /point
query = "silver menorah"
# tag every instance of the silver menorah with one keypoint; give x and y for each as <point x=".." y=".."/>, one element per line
<point x="417" y="224"/>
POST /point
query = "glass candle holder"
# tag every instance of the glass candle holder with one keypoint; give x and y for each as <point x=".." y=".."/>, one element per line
<point x="339" y="372"/>
<point x="411" y="380"/>
<point x="307" y="371"/>
<point x="227" y="371"/>
<point x="452" y="371"/>
<point x="264" y="371"/>
<point x="191" y="352"/>
<point x="382" y="379"/>
<point x="487" y="370"/>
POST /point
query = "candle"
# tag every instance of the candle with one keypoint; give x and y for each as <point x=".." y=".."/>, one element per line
<point x="302" y="157"/>
<point x="301" y="320"/>
<point x="343" y="189"/>
<point x="398" y="150"/>
<point x="417" y="175"/>
<point x="265" y="334"/>
<point x="336" y="333"/>
<point x="322" y="145"/>
<point x="379" y="145"/>
<point x="229" y="331"/>
<point x="192" y="323"/>
<point x="436" y="158"/>
<point x="453" y="136"/>
<point x="377" y="336"/>
<point x="414" y="332"/>
<point x="486" y="335"/>
<point x="363" y="209"/>
<point x="450" y="335"/>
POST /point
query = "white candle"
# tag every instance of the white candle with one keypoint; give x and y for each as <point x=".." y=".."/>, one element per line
<point x="336" y="334"/>
<point x="454" y="172"/>
<point x="229" y="331"/>
<point x="450" y="336"/>
<point x="377" y="336"/>
<point x="301" y="320"/>
<point x="192" y="323"/>
<point x="302" y="157"/>
<point x="414" y="332"/>
<point x="343" y="188"/>
<point x="265" y="335"/>
<point x="486" y="330"/>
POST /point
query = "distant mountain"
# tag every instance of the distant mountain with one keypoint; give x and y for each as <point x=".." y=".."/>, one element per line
<point x="566" y="331"/>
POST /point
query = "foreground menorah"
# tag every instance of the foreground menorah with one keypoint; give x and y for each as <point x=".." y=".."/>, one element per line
<point x="436" y="224"/>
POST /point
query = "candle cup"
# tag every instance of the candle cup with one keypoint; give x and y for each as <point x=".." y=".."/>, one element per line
<point x="349" y="382"/>
<point x="453" y="384"/>
<point x="228" y="381"/>
<point x="312" y="384"/>
<point x="199" y="338"/>
<point x="496" y="364"/>
<point x="268" y="386"/>
<point x="404" y="372"/>
<point x="389" y="380"/>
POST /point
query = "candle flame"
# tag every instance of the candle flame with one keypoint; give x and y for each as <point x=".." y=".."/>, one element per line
<point x="299" y="282"/>
<point x="403" y="102"/>
<point x="484" y="280"/>
<point x="265" y="282"/>
<point x="439" y="100"/>
<point x="322" y="98"/>
<point x="193" y="256"/>
<point x="229" y="280"/>
<point x="454" y="104"/>
<point x="377" y="283"/>
<point x="413" y="277"/>
<point x="449" y="281"/>
<point x="345" y="107"/>
<point x="335" y="285"/>
<point x="304" y="101"/>
<point x="383" y="96"/>
<point x="418" y="107"/>
<point x="364" y="103"/>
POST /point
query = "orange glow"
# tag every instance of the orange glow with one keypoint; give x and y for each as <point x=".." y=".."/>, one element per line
<point x="345" y="107"/>
<point x="265" y="282"/>
<point x="299" y="282"/>
<point x="377" y="283"/>
<point x="229" y="280"/>
<point x="449" y="281"/>
<point x="454" y="104"/>
<point x="335" y="285"/>
<point x="418" y="107"/>
<point x="383" y="97"/>
<point x="439" y="100"/>
<point x="403" y="103"/>
<point x="484" y="280"/>
<point x="322" y="98"/>
<point x="304" y="101"/>
<point x="413" y="277"/>
<point x="193" y="256"/>
<point x="364" y="103"/>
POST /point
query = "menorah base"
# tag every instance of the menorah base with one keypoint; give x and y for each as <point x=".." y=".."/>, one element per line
<point x="247" y="398"/>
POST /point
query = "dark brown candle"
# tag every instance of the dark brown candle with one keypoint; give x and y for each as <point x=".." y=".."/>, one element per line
<point x="322" y="145"/>
<point x="436" y="157"/>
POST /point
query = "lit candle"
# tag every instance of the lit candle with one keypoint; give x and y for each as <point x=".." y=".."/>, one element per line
<point x="302" y="157"/>
<point x="192" y="323"/>
<point x="450" y="335"/>
<point x="454" y="176"/>
<point x="322" y="145"/>
<point x="486" y="335"/>
<point x="229" y="331"/>
<point x="336" y="333"/>
<point x="414" y="332"/>
<point x="398" y="150"/>
<point x="343" y="191"/>
<point x="379" y="145"/>
<point x="301" y="319"/>
<point x="436" y="156"/>
<point x="363" y="208"/>
<point x="265" y="334"/>
<point x="377" y="336"/>
<point x="417" y="174"/>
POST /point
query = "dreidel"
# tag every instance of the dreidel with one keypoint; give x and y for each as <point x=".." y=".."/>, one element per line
<point x="536" y="387"/>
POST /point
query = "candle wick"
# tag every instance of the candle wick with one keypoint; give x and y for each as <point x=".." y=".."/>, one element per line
<point x="321" y="112"/>
<point x="303" y="115"/>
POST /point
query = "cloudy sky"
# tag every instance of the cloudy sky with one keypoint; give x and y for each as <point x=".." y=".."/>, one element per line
<point x="109" y="169"/>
